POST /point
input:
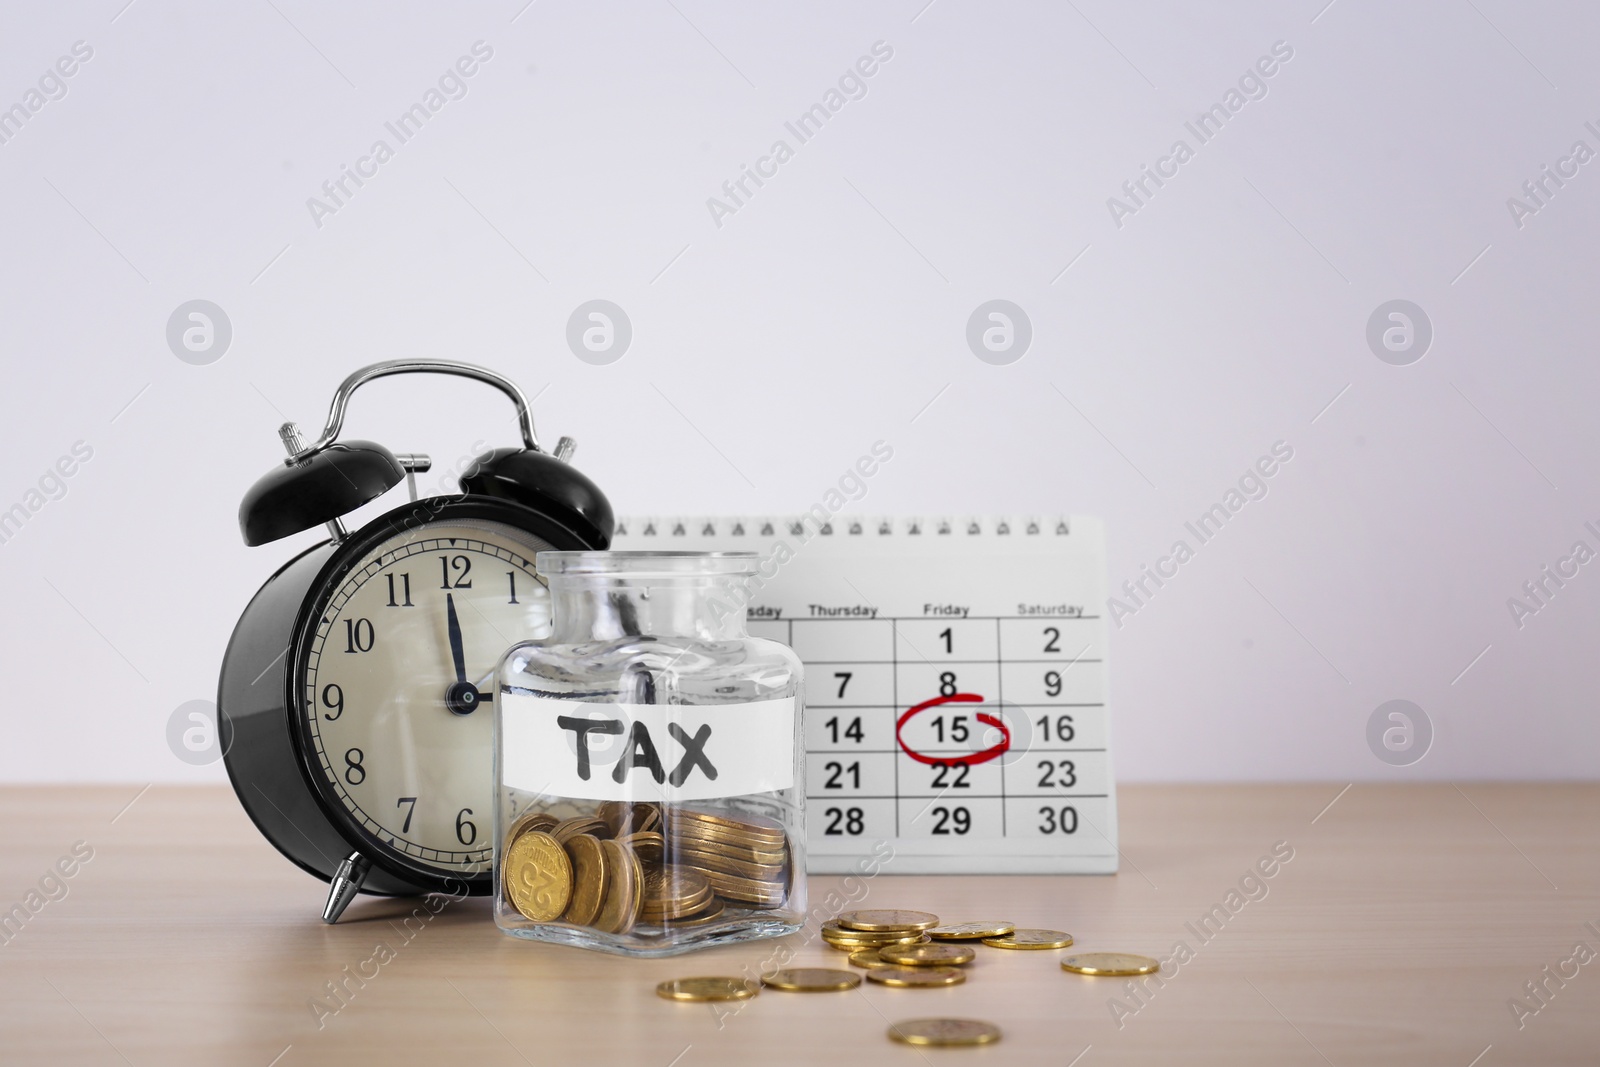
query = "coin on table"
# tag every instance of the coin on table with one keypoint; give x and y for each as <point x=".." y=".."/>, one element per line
<point x="928" y="955"/>
<point x="848" y="945"/>
<point x="1110" y="964"/>
<point x="884" y="919"/>
<point x="708" y="989"/>
<point x="620" y="909"/>
<point x="850" y="940"/>
<point x="811" y="980"/>
<point x="971" y="931"/>
<point x="591" y="879"/>
<point x="1031" y="938"/>
<point x="912" y="977"/>
<point x="870" y="959"/>
<point x="945" y="1032"/>
<point x="537" y="876"/>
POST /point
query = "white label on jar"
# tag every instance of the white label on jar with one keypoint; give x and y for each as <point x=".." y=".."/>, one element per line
<point x="666" y="752"/>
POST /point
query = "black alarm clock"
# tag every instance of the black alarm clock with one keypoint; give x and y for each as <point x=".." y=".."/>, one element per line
<point x="355" y="706"/>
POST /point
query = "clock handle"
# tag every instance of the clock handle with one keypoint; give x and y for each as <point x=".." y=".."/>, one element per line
<point x="341" y="396"/>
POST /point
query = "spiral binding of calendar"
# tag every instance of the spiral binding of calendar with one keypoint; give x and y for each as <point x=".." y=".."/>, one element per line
<point x="759" y="527"/>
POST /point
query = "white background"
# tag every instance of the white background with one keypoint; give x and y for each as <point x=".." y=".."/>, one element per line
<point x="830" y="312"/>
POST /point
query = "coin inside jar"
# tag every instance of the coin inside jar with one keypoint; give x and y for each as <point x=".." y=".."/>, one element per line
<point x="757" y="827"/>
<point x="646" y="844"/>
<point x="616" y="815"/>
<point x="590" y="879"/>
<point x="567" y="829"/>
<point x="673" y="892"/>
<point x="932" y="955"/>
<point x="709" y="914"/>
<point x="537" y="876"/>
<point x="620" y="909"/>
<point x="533" y="820"/>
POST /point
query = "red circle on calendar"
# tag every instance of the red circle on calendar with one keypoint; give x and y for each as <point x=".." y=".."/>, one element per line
<point x="972" y="759"/>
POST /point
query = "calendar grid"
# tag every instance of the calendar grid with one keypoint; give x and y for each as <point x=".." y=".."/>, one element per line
<point x="887" y="620"/>
<point x="1000" y="695"/>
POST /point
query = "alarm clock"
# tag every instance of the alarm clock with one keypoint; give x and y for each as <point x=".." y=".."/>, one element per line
<point x="355" y="701"/>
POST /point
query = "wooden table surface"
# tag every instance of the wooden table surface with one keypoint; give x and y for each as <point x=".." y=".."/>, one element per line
<point x="1401" y="931"/>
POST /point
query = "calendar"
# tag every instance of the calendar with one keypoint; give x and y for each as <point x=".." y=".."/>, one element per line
<point x="956" y="692"/>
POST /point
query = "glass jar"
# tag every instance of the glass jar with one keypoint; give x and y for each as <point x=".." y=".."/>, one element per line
<point x="649" y="761"/>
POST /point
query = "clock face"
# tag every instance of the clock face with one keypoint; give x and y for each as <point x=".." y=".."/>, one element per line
<point x="397" y="692"/>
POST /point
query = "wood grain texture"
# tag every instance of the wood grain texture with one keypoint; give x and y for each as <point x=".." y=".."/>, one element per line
<point x="1406" y="920"/>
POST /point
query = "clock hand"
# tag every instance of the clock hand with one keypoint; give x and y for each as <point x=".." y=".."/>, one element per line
<point x="456" y="652"/>
<point x="461" y="696"/>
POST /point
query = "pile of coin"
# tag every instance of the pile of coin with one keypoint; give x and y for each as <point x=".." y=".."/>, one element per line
<point x="631" y="864"/>
<point x="910" y="949"/>
<point x="745" y="858"/>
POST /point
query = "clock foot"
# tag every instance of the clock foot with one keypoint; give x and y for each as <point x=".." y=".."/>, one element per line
<point x="346" y="884"/>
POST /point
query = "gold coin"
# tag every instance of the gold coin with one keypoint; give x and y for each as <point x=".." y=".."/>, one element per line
<point x="672" y="883"/>
<point x="537" y="876"/>
<point x="709" y="835"/>
<point x="839" y="937"/>
<point x="970" y="931"/>
<point x="884" y="919"/>
<point x="1031" y="939"/>
<point x="646" y="844"/>
<point x="735" y="850"/>
<point x="873" y="946"/>
<point x="656" y="913"/>
<point x="624" y="817"/>
<point x="708" y="989"/>
<point x="945" y="1032"/>
<point x="567" y="829"/>
<point x="646" y="817"/>
<point x="614" y="813"/>
<point x="1110" y="964"/>
<point x="758" y="894"/>
<point x="673" y="892"/>
<point x="811" y="980"/>
<point x="591" y="879"/>
<point x="832" y="931"/>
<point x="709" y="914"/>
<point x="621" y="907"/>
<point x="869" y="959"/>
<point x="743" y="822"/>
<point x="533" y="820"/>
<point x="724" y="863"/>
<point x="928" y="955"/>
<point x="912" y="977"/>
